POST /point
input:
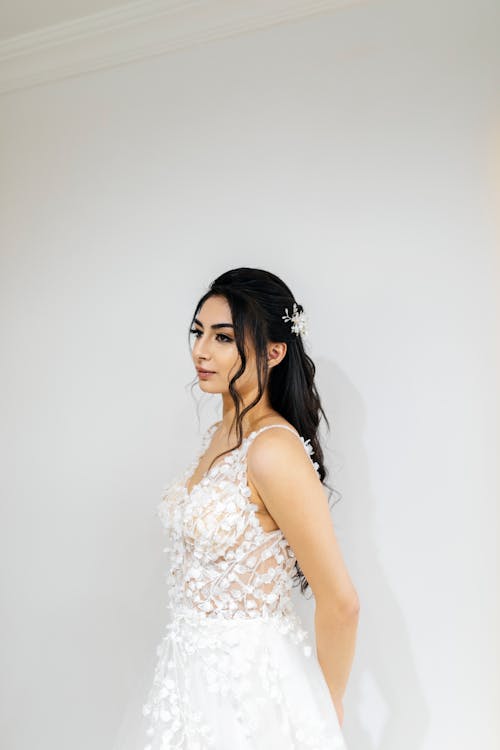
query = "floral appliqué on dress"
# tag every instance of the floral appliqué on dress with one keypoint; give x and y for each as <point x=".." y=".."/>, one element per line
<point x="234" y="665"/>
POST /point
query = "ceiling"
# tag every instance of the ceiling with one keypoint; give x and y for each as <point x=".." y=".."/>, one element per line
<point x="22" y="16"/>
<point x="51" y="40"/>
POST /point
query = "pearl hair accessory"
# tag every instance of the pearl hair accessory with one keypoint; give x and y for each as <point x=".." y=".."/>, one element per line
<point x="298" y="320"/>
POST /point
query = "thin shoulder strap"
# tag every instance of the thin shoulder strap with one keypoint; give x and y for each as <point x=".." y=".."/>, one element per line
<point x="268" y="426"/>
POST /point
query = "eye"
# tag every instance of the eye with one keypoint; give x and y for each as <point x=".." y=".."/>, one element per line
<point x="223" y="338"/>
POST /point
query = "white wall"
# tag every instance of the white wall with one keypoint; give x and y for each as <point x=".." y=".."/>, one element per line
<point x="354" y="153"/>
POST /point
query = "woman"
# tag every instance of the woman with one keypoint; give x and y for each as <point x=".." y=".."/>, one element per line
<point x="249" y="516"/>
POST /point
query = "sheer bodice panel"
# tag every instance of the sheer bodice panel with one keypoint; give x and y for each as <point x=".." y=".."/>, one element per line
<point x="235" y="667"/>
<point x="223" y="563"/>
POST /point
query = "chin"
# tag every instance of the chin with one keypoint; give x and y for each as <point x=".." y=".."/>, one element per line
<point x="212" y="390"/>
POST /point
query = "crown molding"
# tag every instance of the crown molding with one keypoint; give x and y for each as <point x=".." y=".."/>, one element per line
<point x="136" y="31"/>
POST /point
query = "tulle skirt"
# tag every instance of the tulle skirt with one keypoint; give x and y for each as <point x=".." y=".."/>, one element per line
<point x="238" y="684"/>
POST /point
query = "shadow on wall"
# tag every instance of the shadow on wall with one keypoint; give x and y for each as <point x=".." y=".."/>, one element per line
<point x="384" y="704"/>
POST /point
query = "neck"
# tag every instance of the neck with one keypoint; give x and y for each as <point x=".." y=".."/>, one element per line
<point x="251" y="419"/>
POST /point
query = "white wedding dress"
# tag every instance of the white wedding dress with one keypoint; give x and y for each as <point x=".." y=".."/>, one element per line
<point x="235" y="670"/>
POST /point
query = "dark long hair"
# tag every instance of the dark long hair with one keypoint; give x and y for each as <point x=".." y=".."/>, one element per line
<point x="257" y="299"/>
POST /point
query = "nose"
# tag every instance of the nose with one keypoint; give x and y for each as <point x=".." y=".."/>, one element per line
<point x="201" y="348"/>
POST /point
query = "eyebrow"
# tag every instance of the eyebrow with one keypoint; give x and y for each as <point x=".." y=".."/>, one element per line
<point x="215" y="326"/>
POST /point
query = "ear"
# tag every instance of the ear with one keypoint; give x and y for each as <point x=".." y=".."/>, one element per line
<point x="275" y="353"/>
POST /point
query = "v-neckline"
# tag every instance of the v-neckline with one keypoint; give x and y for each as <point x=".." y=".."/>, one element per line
<point x="253" y="506"/>
<point x="188" y="492"/>
<point x="196" y="463"/>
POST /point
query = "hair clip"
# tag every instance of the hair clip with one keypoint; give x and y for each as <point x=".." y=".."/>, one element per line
<point x="298" y="320"/>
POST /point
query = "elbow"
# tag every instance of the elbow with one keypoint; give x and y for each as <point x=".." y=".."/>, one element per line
<point x="351" y="606"/>
<point x="341" y="608"/>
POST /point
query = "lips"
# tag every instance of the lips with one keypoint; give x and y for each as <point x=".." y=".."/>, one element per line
<point x="210" y="372"/>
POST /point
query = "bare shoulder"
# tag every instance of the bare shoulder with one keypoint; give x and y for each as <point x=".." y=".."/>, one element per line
<point x="276" y="450"/>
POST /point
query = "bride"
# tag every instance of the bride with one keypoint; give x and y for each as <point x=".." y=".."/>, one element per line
<point x="246" y="521"/>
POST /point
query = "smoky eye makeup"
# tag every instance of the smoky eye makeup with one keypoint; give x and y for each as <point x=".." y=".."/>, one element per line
<point x="223" y="335"/>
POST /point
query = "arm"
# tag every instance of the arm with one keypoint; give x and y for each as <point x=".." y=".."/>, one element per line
<point x="292" y="492"/>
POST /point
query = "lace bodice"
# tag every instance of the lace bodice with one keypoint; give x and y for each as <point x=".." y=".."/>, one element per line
<point x="223" y="563"/>
<point x="235" y="668"/>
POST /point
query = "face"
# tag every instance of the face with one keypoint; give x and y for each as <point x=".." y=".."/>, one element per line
<point x="214" y="349"/>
